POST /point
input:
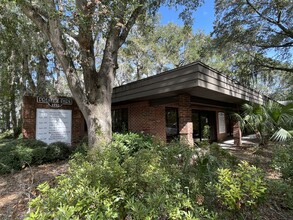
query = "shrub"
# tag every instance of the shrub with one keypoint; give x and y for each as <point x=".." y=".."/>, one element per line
<point x="141" y="181"/>
<point x="9" y="162"/>
<point x="283" y="161"/>
<point x="130" y="143"/>
<point x="57" y="151"/>
<point x="16" y="154"/>
<point x="244" y="187"/>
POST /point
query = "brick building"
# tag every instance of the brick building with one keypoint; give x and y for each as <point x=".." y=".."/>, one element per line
<point x="190" y="103"/>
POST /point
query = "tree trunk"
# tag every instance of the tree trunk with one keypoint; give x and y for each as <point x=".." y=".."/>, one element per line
<point x="27" y="75"/>
<point x="13" y="112"/>
<point x="99" y="125"/>
<point x="6" y="114"/>
<point x="41" y="77"/>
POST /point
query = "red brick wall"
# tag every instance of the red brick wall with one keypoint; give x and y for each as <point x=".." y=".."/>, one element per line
<point x="145" y="118"/>
<point x="29" y="118"/>
<point x="158" y="122"/>
<point x="185" y="119"/>
<point x="142" y="117"/>
<point x="139" y="117"/>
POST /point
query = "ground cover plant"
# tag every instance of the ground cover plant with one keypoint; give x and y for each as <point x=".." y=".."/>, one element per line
<point x="137" y="177"/>
<point x="283" y="161"/>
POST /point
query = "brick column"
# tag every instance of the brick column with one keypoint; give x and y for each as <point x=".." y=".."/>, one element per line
<point x="237" y="134"/>
<point x="29" y="117"/>
<point x="185" y="120"/>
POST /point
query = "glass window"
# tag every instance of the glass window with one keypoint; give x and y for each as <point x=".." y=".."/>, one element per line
<point x="120" y="120"/>
<point x="172" y="130"/>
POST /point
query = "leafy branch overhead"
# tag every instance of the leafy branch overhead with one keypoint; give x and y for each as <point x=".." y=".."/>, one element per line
<point x="263" y="26"/>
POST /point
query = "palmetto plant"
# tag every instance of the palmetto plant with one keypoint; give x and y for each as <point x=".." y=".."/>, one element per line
<point x="271" y="121"/>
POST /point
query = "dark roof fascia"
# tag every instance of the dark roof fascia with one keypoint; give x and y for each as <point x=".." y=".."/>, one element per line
<point x="199" y="69"/>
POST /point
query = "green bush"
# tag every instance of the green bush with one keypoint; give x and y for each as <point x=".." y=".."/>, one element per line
<point x="16" y="154"/>
<point x="131" y="179"/>
<point x="139" y="178"/>
<point x="57" y="151"/>
<point x="280" y="192"/>
<point x="9" y="162"/>
<point x="243" y="188"/>
<point x="283" y="161"/>
<point x="130" y="143"/>
<point x="24" y="143"/>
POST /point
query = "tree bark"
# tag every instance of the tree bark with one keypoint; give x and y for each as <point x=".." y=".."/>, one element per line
<point x="41" y="77"/>
<point x="27" y="74"/>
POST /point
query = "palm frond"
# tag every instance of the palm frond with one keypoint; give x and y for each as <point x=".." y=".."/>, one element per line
<point x="282" y="135"/>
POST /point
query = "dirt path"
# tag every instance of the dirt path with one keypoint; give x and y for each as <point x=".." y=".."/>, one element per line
<point x="18" y="188"/>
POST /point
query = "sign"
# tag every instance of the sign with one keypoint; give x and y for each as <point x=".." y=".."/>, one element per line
<point x="54" y="125"/>
<point x="55" y="102"/>
<point x="222" y="123"/>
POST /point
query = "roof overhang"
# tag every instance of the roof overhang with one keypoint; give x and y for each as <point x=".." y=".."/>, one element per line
<point x="196" y="79"/>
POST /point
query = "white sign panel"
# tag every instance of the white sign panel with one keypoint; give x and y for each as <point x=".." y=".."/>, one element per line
<point x="54" y="125"/>
<point x="222" y="124"/>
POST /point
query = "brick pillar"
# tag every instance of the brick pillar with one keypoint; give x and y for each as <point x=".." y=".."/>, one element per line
<point x="29" y="117"/>
<point x="185" y="120"/>
<point x="237" y="134"/>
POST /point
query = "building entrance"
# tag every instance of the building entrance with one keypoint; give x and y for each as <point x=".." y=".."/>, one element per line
<point x="204" y="125"/>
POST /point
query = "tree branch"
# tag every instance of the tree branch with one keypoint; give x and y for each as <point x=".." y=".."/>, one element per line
<point x="290" y="70"/>
<point x="270" y="20"/>
<point x="49" y="26"/>
<point x="285" y="45"/>
<point x="131" y="21"/>
<point x="41" y="20"/>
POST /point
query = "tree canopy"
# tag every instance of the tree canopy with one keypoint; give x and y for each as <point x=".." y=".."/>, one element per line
<point x="264" y="27"/>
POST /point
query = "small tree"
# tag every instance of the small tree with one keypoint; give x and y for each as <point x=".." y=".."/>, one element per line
<point x="271" y="121"/>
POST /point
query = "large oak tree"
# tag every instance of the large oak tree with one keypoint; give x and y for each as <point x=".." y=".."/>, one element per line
<point x="75" y="30"/>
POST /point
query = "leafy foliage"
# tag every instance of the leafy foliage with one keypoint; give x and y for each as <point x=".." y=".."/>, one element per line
<point x="136" y="177"/>
<point x="244" y="187"/>
<point x="256" y="37"/>
<point x="283" y="161"/>
<point x="270" y="121"/>
<point x="16" y="154"/>
<point x="261" y="25"/>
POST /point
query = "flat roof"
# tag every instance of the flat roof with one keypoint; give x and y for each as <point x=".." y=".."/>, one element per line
<point x="196" y="79"/>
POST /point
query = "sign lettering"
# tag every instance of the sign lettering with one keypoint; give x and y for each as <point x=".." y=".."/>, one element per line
<point x="55" y="102"/>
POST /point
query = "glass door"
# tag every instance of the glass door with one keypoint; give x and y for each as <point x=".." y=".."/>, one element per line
<point x="204" y="125"/>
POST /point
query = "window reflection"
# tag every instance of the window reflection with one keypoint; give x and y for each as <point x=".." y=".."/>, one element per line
<point x="172" y="130"/>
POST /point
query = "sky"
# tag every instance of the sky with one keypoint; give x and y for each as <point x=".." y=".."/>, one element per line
<point x="203" y="17"/>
